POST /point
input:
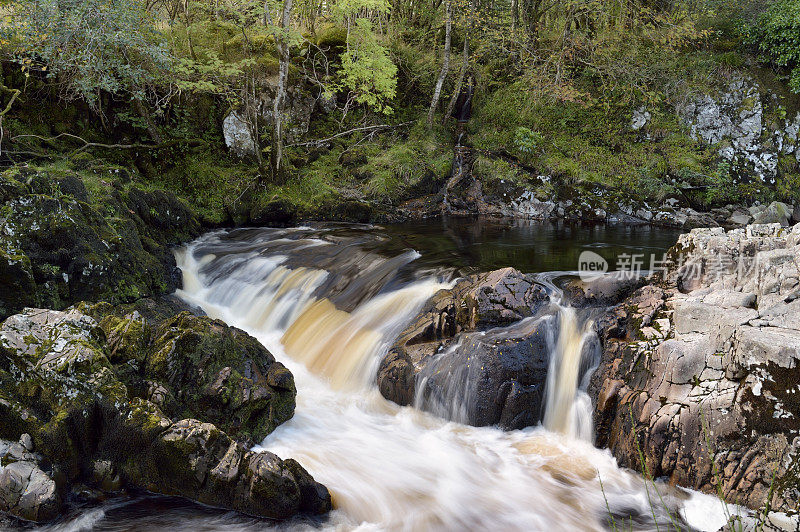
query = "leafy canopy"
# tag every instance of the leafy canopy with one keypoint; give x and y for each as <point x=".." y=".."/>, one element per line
<point x="367" y="70"/>
<point x="89" y="46"/>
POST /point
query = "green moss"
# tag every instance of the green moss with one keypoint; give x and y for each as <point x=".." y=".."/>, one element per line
<point x="332" y="36"/>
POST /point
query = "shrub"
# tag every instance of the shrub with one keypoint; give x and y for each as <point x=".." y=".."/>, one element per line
<point x="90" y="46"/>
<point x="776" y="34"/>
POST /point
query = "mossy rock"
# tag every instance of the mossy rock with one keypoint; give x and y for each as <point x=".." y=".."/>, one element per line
<point x="200" y="365"/>
<point x="332" y="37"/>
<point x="90" y="384"/>
<point x="62" y="244"/>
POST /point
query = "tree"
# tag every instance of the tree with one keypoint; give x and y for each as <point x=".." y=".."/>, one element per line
<point x="91" y="46"/>
<point x="445" y="65"/>
<point x="282" y="41"/>
<point x="367" y="72"/>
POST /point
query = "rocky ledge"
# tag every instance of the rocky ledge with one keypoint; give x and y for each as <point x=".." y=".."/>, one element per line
<point x="97" y="398"/>
<point x="500" y="377"/>
<point x="63" y="240"/>
<point x="700" y="370"/>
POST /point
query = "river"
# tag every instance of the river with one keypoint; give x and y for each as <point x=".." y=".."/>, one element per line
<point x="328" y="300"/>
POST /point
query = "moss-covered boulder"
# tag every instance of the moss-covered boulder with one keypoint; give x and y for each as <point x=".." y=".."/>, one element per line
<point x="184" y="363"/>
<point x="114" y="396"/>
<point x="60" y="244"/>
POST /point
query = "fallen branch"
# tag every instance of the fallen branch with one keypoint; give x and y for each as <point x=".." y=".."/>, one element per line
<point x="349" y="131"/>
<point x="135" y="146"/>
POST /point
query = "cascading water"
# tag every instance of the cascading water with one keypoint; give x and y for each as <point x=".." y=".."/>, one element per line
<point x="448" y="384"/>
<point x="568" y="406"/>
<point x="328" y="306"/>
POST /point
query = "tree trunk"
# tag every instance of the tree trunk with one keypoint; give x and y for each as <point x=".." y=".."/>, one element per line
<point x="152" y="130"/>
<point x="514" y="15"/>
<point x="282" y="42"/>
<point x="445" y="67"/>
<point x="457" y="91"/>
<point x="188" y="32"/>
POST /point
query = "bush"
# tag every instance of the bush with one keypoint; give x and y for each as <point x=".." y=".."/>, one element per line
<point x="91" y="46"/>
<point x="776" y="34"/>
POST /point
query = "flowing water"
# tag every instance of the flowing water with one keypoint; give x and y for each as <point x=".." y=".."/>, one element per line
<point x="329" y="300"/>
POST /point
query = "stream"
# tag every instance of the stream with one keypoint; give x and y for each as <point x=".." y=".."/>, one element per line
<point x="328" y="301"/>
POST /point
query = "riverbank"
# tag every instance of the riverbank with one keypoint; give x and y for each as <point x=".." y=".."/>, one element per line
<point x="53" y="219"/>
<point x="698" y="380"/>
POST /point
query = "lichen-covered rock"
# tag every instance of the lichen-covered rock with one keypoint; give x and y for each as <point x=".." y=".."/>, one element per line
<point x="184" y="359"/>
<point x="501" y="378"/>
<point x="59" y="244"/>
<point x="699" y="375"/>
<point x="28" y="492"/>
<point x="111" y="397"/>
<point x="298" y="107"/>
<point x="774" y="213"/>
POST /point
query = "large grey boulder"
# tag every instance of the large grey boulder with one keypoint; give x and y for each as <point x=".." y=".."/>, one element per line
<point x="774" y="213"/>
<point x="238" y="135"/>
<point x="711" y="402"/>
<point x="238" y="131"/>
<point x="28" y="492"/>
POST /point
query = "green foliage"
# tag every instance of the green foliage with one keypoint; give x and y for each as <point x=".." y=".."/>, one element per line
<point x="399" y="164"/>
<point x="91" y="46"/>
<point x="526" y="140"/>
<point x="776" y="34"/>
<point x="210" y="75"/>
<point x="367" y="71"/>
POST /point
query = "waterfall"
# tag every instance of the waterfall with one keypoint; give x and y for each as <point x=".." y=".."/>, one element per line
<point x="328" y="303"/>
<point x="263" y="294"/>
<point x="568" y="408"/>
<point x="448" y="384"/>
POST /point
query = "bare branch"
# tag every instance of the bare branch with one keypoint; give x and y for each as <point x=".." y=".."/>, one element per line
<point x="349" y="131"/>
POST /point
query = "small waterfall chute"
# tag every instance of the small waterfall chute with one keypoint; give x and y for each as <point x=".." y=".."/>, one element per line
<point x="568" y="409"/>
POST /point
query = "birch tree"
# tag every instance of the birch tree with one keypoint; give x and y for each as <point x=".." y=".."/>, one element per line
<point x="282" y="42"/>
<point x="437" y="92"/>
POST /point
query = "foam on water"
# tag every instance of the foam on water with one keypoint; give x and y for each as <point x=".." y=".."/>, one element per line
<point x="399" y="468"/>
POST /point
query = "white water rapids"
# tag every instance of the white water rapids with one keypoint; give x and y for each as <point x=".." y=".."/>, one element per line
<point x="398" y="468"/>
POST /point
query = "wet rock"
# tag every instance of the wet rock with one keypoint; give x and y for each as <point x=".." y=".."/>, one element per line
<point x="603" y="290"/>
<point x="503" y="296"/>
<point x="492" y="378"/>
<point x="710" y="401"/>
<point x="105" y="476"/>
<point x="315" y="499"/>
<point x="501" y="376"/>
<point x="28" y="493"/>
<point x="82" y="381"/>
<point x="197" y="460"/>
